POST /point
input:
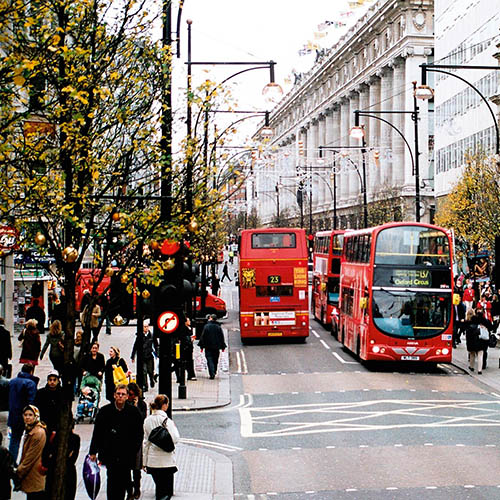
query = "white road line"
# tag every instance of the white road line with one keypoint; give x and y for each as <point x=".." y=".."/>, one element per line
<point x="238" y="362"/>
<point x="343" y="361"/>
<point x="211" y="444"/>
<point x="315" y="333"/>
<point x="244" y="367"/>
<point x="325" y="345"/>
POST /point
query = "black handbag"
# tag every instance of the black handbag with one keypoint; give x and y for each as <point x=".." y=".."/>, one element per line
<point x="160" y="437"/>
<point x="493" y="340"/>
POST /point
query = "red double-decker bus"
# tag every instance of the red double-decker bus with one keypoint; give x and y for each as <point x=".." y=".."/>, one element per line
<point x="396" y="293"/>
<point x="327" y="253"/>
<point x="273" y="283"/>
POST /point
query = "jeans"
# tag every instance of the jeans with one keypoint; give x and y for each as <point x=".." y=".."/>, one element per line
<point x="212" y="356"/>
<point x="164" y="481"/>
<point x="15" y="440"/>
<point x="148" y="368"/>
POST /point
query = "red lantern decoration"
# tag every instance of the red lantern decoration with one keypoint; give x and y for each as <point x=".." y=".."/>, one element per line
<point x="170" y="247"/>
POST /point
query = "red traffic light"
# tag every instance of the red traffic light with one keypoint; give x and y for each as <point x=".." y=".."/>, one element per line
<point x="310" y="237"/>
<point x="170" y="247"/>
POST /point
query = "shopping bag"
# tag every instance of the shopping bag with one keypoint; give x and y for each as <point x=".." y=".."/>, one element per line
<point x="91" y="477"/>
<point x="119" y="375"/>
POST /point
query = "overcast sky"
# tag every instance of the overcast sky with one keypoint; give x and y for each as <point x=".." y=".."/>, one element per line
<point x="259" y="30"/>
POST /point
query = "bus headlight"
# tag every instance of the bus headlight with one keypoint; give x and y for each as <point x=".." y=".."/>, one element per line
<point x="446" y="351"/>
<point x="245" y="325"/>
<point x="376" y="348"/>
<point x="382" y="350"/>
<point x="438" y="351"/>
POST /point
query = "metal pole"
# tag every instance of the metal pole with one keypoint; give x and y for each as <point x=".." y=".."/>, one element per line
<point x="414" y="117"/>
<point x="277" y="205"/>
<point x="310" y="199"/>
<point x="365" y="201"/>
<point x="334" y="193"/>
<point x="165" y="369"/>
<point x="189" y="162"/>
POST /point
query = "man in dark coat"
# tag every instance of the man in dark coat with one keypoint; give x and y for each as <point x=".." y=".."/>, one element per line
<point x="48" y="401"/>
<point x="5" y="347"/>
<point x="149" y="350"/>
<point x="212" y="340"/>
<point x="36" y="312"/>
<point x="116" y="439"/>
<point x="22" y="392"/>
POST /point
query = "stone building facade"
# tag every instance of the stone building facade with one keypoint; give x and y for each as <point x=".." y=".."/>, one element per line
<point x="372" y="69"/>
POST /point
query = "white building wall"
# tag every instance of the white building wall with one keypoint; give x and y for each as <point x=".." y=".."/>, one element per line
<point x="466" y="34"/>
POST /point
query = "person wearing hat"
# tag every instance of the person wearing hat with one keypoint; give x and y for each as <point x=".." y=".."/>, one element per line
<point x="212" y="340"/>
<point x="149" y="351"/>
<point x="31" y="479"/>
<point x="48" y="401"/>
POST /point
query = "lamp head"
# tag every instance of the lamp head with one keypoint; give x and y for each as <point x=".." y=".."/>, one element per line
<point x="272" y="92"/>
<point x="357" y="132"/>
<point x="424" y="92"/>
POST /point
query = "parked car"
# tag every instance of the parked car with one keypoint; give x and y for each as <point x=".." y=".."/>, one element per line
<point x="213" y="305"/>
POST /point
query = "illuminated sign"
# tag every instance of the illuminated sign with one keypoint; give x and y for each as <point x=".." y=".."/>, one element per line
<point x="274" y="279"/>
<point x="411" y="277"/>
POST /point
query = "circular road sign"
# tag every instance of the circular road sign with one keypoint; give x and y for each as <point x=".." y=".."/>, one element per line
<point x="168" y="321"/>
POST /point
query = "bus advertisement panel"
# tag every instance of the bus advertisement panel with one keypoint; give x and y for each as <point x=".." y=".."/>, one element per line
<point x="327" y="253"/>
<point x="397" y="293"/>
<point x="273" y="283"/>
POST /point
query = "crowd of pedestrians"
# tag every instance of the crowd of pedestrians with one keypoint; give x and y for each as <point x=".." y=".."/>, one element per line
<point x="120" y="439"/>
<point x="477" y="315"/>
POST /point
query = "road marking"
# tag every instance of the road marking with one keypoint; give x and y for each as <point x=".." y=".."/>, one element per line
<point x="244" y="366"/>
<point x="211" y="444"/>
<point x="367" y="415"/>
<point x="238" y="362"/>
<point x="325" y="345"/>
<point x="315" y="333"/>
<point x="343" y="361"/>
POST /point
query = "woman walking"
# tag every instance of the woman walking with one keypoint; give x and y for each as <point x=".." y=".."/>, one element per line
<point x="28" y="472"/>
<point x="31" y="343"/>
<point x="114" y="360"/>
<point x="55" y="340"/>
<point x="475" y="345"/>
<point x="94" y="363"/>
<point x="159" y="463"/>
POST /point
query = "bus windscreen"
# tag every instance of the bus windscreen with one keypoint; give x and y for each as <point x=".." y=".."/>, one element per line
<point x="412" y="245"/>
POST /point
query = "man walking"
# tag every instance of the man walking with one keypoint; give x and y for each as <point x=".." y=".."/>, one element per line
<point x="48" y="401"/>
<point x="36" y="312"/>
<point x="149" y="350"/>
<point x="116" y="439"/>
<point x="22" y="392"/>
<point x="225" y="273"/>
<point x="212" y="340"/>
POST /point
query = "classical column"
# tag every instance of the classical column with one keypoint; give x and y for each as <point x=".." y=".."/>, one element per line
<point x="344" y="140"/>
<point x="386" y="94"/>
<point x="398" y="120"/>
<point x="321" y="140"/>
<point x="373" y="172"/>
<point x="335" y="142"/>
<point x="355" y="155"/>
<point x="364" y="103"/>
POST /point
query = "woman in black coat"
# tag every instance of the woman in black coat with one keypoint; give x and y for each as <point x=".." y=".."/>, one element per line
<point x="114" y="359"/>
<point x="475" y="345"/>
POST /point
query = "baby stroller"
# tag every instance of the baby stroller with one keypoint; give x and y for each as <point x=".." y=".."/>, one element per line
<point x="88" y="400"/>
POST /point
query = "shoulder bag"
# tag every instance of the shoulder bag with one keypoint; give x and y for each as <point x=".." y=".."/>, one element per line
<point x="119" y="375"/>
<point x="484" y="334"/>
<point x="160" y="437"/>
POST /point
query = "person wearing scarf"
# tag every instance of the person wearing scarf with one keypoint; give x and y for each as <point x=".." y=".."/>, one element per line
<point x="31" y="480"/>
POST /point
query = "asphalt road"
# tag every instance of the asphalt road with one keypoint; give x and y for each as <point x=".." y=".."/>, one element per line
<point x="309" y="421"/>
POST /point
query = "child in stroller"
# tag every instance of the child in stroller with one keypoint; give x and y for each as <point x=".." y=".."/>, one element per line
<point x="88" y="401"/>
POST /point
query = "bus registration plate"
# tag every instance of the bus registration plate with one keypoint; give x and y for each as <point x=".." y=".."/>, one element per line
<point x="410" y="358"/>
<point x="275" y="334"/>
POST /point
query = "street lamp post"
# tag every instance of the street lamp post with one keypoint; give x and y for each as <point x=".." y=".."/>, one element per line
<point x="359" y="133"/>
<point x="362" y="178"/>
<point x="424" y="92"/>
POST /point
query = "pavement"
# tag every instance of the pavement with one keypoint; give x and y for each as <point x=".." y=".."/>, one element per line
<point x="490" y="375"/>
<point x="203" y="474"/>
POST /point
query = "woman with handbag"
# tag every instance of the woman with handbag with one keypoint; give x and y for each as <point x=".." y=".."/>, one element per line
<point x="55" y="341"/>
<point x="475" y="345"/>
<point x="157" y="461"/>
<point x="29" y="473"/>
<point x="114" y="372"/>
